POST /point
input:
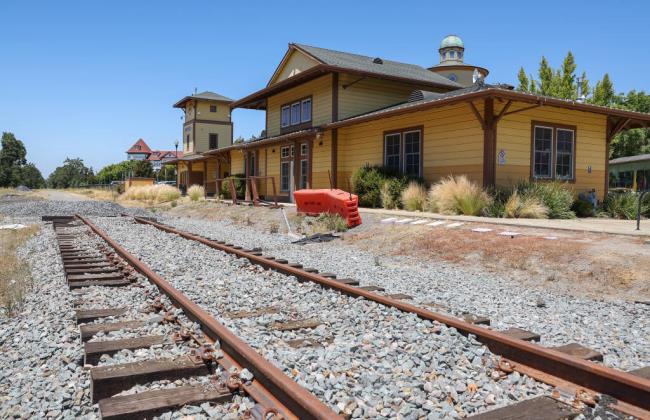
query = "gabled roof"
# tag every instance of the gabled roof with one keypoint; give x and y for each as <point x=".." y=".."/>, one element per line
<point x="204" y="96"/>
<point x="374" y="65"/>
<point x="331" y="61"/>
<point x="139" y="147"/>
<point x="163" y="154"/>
<point x="629" y="159"/>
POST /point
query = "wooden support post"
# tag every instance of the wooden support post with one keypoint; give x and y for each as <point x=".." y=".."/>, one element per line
<point x="334" y="157"/>
<point x="205" y="178"/>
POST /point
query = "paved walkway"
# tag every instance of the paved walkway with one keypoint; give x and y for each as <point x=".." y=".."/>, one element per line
<point x="59" y="195"/>
<point x="592" y="224"/>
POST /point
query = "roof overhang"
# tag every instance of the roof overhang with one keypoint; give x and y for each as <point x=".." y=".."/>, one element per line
<point x="182" y="102"/>
<point x="301" y="134"/>
<point x="629" y="119"/>
<point x="443" y="67"/>
<point x="257" y="100"/>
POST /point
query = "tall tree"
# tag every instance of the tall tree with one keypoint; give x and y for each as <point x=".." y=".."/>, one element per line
<point x="14" y="169"/>
<point x="567" y="82"/>
<point x="604" y="92"/>
<point x="545" y="74"/>
<point x="524" y="83"/>
<point x="73" y="173"/>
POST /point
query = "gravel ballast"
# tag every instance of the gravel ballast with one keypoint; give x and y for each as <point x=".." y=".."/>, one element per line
<point x="370" y="360"/>
<point x="620" y="330"/>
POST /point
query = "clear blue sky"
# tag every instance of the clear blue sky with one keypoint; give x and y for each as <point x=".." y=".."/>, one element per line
<point x="87" y="78"/>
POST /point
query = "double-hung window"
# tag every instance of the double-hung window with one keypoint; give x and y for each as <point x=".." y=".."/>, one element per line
<point x="284" y="175"/>
<point x="284" y="119"/>
<point x="553" y="152"/>
<point x="213" y="140"/>
<point x="403" y="151"/>
<point x="296" y="113"/>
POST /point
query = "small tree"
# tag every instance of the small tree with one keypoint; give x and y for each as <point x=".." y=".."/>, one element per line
<point x="73" y="173"/>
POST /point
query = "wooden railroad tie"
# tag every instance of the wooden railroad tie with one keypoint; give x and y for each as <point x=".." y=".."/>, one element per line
<point x="95" y="349"/>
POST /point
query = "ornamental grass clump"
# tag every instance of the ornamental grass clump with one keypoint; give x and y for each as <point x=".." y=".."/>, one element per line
<point x="555" y="195"/>
<point x="414" y="197"/>
<point x="524" y="207"/>
<point x="196" y="192"/>
<point x="458" y="195"/>
<point x="625" y="205"/>
<point x="152" y="194"/>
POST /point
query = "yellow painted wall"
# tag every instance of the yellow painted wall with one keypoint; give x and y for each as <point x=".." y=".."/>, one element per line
<point x="187" y="146"/>
<point x="514" y="137"/>
<point x="321" y="91"/>
<point x="203" y="131"/>
<point x="203" y="111"/>
<point x="452" y="143"/>
<point x="237" y="162"/>
<point x="321" y="160"/>
<point x="368" y="94"/>
<point x="296" y="63"/>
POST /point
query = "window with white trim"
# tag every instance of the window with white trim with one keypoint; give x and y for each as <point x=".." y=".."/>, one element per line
<point x="296" y="113"/>
<point x="305" y="110"/>
<point x="403" y="152"/>
<point x="303" y="149"/>
<point x="553" y="152"/>
<point x="304" y="173"/>
<point x="284" y="119"/>
<point x="284" y="176"/>
<point x="284" y="152"/>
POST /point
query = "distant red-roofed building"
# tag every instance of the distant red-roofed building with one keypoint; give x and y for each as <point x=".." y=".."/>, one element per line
<point x="141" y="151"/>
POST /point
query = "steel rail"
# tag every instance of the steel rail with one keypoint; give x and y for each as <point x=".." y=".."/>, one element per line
<point x="297" y="399"/>
<point x="624" y="386"/>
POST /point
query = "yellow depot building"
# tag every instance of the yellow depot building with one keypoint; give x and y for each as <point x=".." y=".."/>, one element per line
<point x="330" y="112"/>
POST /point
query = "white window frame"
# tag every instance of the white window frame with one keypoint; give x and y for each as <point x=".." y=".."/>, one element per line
<point x="298" y="107"/>
<point x="303" y="149"/>
<point x="282" y="176"/>
<point x="305" y="118"/>
<point x="287" y="122"/>
<point x="573" y="151"/>
<point x="284" y="152"/>
<point x="403" y="151"/>
<point x="304" y="173"/>
<point x="399" y="153"/>
<point x="551" y="162"/>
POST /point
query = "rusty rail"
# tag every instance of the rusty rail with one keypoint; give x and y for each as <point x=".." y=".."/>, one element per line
<point x="624" y="386"/>
<point x="295" y="398"/>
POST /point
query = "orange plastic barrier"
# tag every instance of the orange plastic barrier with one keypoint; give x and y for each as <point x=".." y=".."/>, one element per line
<point x="315" y="202"/>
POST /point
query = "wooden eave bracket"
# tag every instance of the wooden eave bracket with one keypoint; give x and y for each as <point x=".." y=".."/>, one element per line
<point x="618" y="127"/>
<point x="480" y="119"/>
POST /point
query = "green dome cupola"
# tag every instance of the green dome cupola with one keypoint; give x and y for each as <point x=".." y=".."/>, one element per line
<point x="451" y="50"/>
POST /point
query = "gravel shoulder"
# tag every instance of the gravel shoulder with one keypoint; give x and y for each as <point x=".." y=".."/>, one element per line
<point x="619" y="329"/>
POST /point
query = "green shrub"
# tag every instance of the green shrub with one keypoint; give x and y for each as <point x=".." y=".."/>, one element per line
<point x="414" y="197"/>
<point x="458" y="195"/>
<point x="240" y="186"/>
<point x="624" y="205"/>
<point x="497" y="207"/>
<point x="554" y="195"/>
<point x="369" y="184"/>
<point x="391" y="192"/>
<point x="582" y="208"/>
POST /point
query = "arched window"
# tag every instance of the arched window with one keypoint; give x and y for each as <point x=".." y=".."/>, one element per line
<point x="452" y="77"/>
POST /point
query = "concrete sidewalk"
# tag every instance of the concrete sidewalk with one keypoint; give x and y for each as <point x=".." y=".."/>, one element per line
<point x="592" y="224"/>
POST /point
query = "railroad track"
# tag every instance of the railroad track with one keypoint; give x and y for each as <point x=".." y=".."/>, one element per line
<point x="227" y="365"/>
<point x="571" y="368"/>
<point x="110" y="265"/>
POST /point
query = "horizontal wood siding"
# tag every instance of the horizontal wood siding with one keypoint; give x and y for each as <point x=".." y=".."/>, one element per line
<point x="203" y="111"/>
<point x="203" y="132"/>
<point x="452" y="143"/>
<point x="368" y="94"/>
<point x="321" y="160"/>
<point x="319" y="89"/>
<point x="237" y="162"/>
<point x="514" y="137"/>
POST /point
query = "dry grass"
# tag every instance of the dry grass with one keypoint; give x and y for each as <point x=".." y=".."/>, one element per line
<point x="458" y="195"/>
<point x="196" y="192"/>
<point x="96" y="194"/>
<point x="414" y="197"/>
<point x="152" y="194"/>
<point x="15" y="278"/>
<point x="525" y="207"/>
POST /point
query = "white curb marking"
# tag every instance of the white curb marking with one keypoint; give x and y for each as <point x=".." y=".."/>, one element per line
<point x="481" y="230"/>
<point x="507" y="233"/>
<point x="419" y="222"/>
<point x="455" y="225"/>
<point x="389" y="220"/>
<point x="436" y="223"/>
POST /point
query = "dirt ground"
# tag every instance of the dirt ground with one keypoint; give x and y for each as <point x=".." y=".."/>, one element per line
<point x="601" y="266"/>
